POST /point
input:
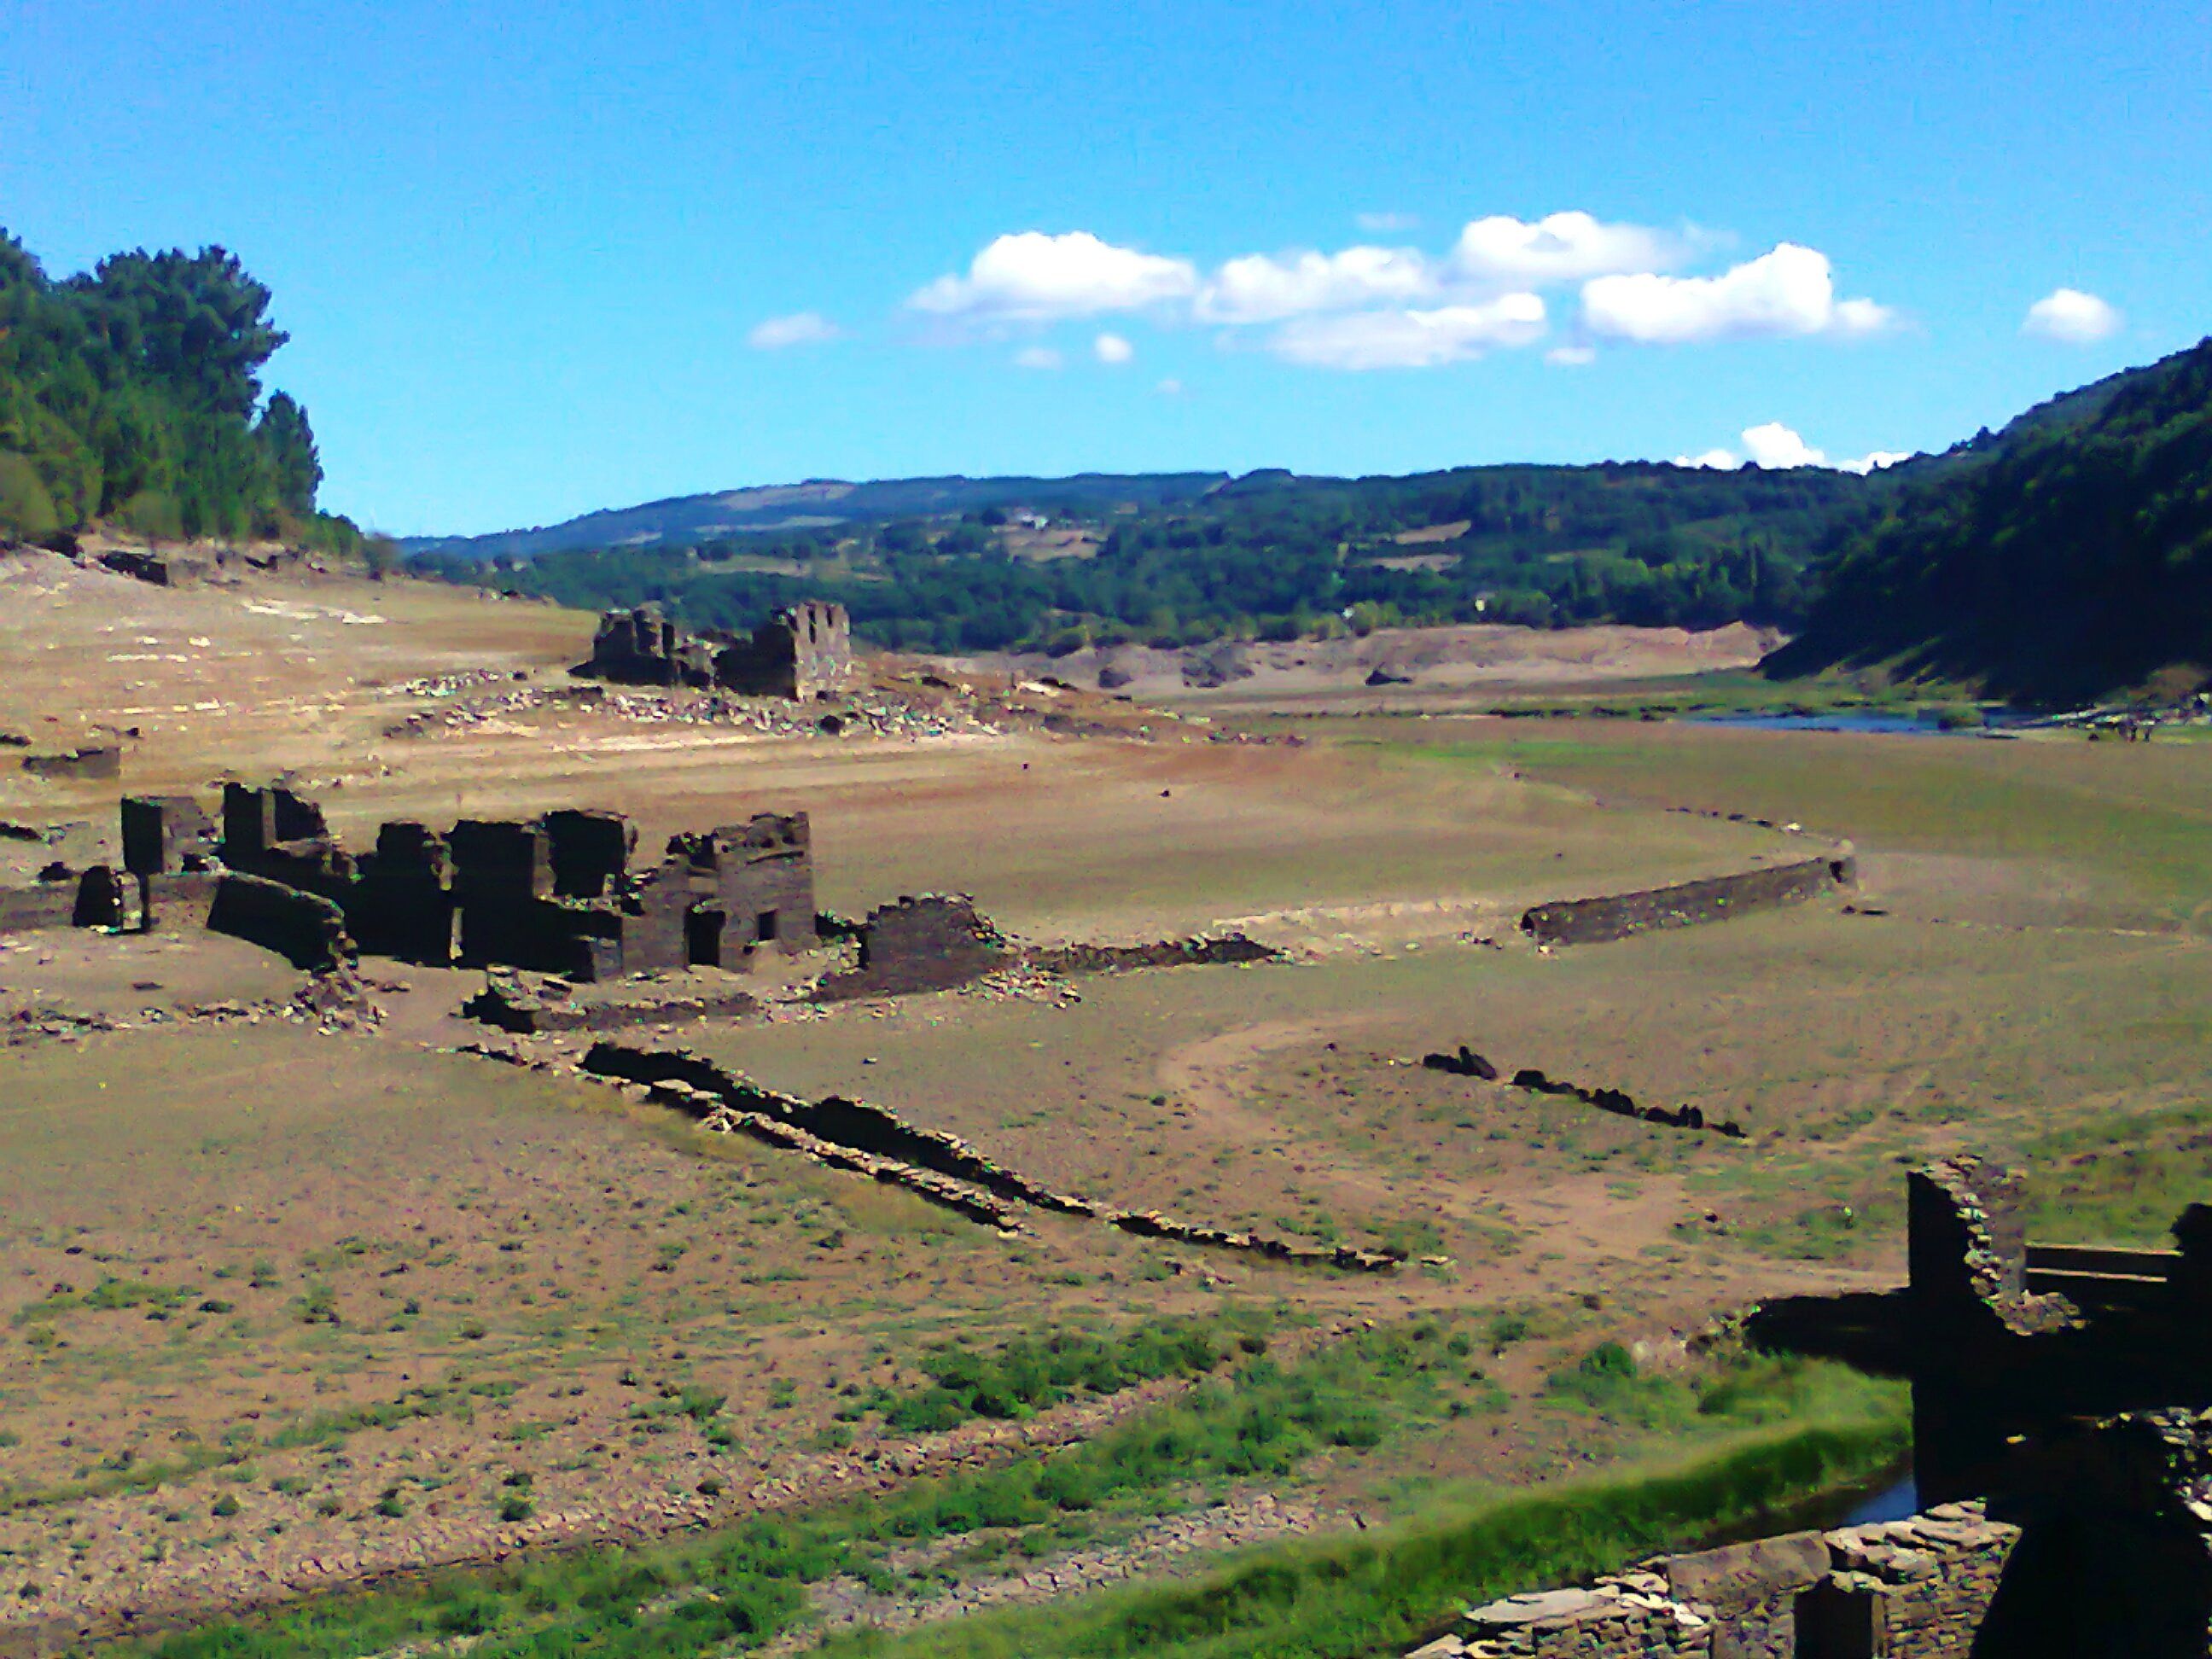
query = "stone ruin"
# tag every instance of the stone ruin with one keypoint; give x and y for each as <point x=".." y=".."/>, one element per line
<point x="97" y="761"/>
<point x="803" y="652"/>
<point x="1619" y="915"/>
<point x="928" y="942"/>
<point x="2062" y="1398"/>
<point x="556" y="894"/>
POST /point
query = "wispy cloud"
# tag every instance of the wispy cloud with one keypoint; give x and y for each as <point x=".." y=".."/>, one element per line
<point x="1410" y="338"/>
<point x="799" y="329"/>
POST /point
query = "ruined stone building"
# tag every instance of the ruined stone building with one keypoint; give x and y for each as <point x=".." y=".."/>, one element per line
<point x="563" y="893"/>
<point x="2061" y="1453"/>
<point x="802" y="651"/>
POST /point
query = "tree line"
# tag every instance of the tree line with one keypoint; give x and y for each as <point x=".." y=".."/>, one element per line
<point x="1271" y="556"/>
<point x="131" y="394"/>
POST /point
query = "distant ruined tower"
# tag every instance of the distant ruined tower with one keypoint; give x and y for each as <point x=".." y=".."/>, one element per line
<point x="803" y="652"/>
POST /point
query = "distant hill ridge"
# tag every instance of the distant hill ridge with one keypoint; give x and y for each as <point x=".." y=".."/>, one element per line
<point x="680" y="520"/>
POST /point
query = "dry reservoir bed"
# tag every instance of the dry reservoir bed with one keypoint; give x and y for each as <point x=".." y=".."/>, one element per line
<point x="289" y="1307"/>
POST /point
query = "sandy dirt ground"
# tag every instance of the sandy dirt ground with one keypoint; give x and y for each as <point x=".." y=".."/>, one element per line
<point x="1399" y="667"/>
<point x="287" y="1305"/>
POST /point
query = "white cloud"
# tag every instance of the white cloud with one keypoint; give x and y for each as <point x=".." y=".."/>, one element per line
<point x="1720" y="460"/>
<point x="1778" y="448"/>
<point x="1170" y="388"/>
<point x="1378" y="224"/>
<point x="799" y="329"/>
<point x="1031" y="276"/>
<point x="1409" y="338"/>
<point x="1787" y="291"/>
<point x="1037" y="357"/>
<point x="1560" y="247"/>
<point x="1571" y="357"/>
<point x="1113" y="349"/>
<point x="2070" y="315"/>
<point x="1262" y="288"/>
<point x="1775" y="445"/>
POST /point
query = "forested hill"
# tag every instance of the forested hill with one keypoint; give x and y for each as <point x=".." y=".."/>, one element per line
<point x="681" y="521"/>
<point x="2068" y="557"/>
<point x="133" y="395"/>
<point x="1182" y="559"/>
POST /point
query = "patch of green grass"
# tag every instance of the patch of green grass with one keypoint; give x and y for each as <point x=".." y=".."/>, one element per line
<point x="2120" y="1178"/>
<point x="1034" y="1373"/>
<point x="1263" y="1421"/>
<point x="109" y="1295"/>
<point x="1384" y="1591"/>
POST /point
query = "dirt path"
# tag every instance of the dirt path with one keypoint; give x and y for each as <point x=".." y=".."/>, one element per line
<point x="1579" y="1217"/>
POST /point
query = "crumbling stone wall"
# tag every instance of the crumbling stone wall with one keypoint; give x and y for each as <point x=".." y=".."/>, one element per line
<point x="553" y="895"/>
<point x="1906" y="1589"/>
<point x="1594" y="921"/>
<point x="164" y="834"/>
<point x="931" y="942"/>
<point x="93" y="762"/>
<point x="305" y="928"/>
<point x="801" y="652"/>
<point x="159" y="570"/>
<point x="870" y="1131"/>
<point x="402" y="903"/>
<point x="1203" y="950"/>
<point x="512" y="1005"/>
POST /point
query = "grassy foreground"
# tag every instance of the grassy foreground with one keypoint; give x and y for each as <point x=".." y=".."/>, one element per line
<point x="1378" y="1594"/>
<point x="1782" y="1432"/>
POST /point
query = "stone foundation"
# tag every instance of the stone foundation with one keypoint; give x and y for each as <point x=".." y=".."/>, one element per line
<point x="1902" y="1589"/>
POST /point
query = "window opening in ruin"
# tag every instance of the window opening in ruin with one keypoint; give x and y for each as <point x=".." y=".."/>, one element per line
<point x="702" y="937"/>
<point x="764" y="927"/>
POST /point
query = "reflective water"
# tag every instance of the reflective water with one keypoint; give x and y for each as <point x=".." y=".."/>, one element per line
<point x="1846" y="719"/>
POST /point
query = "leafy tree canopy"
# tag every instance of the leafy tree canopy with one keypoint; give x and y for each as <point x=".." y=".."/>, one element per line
<point x="128" y="394"/>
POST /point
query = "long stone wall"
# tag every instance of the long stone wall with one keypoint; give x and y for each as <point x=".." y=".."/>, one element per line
<point x="1618" y="915"/>
<point x="861" y="1128"/>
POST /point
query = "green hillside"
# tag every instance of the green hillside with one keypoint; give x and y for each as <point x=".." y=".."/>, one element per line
<point x="1162" y="559"/>
<point x="132" y="394"/>
<point x="2068" y="557"/>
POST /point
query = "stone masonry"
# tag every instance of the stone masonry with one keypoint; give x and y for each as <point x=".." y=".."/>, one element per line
<point x="1902" y="1589"/>
<point x="803" y="652"/>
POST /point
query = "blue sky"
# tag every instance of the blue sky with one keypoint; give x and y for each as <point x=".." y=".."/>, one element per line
<point x="526" y="252"/>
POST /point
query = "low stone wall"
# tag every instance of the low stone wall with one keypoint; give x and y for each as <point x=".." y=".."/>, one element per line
<point x="103" y="762"/>
<point x="926" y="942"/>
<point x="1621" y="1104"/>
<point x="1203" y="950"/>
<point x="856" y="1124"/>
<point x="1594" y="921"/>
<point x="308" y="931"/>
<point x="1906" y="1589"/>
<point x="875" y="1132"/>
<point x="512" y="1005"/>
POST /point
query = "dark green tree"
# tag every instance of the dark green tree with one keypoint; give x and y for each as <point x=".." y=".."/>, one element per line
<point x="288" y="448"/>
